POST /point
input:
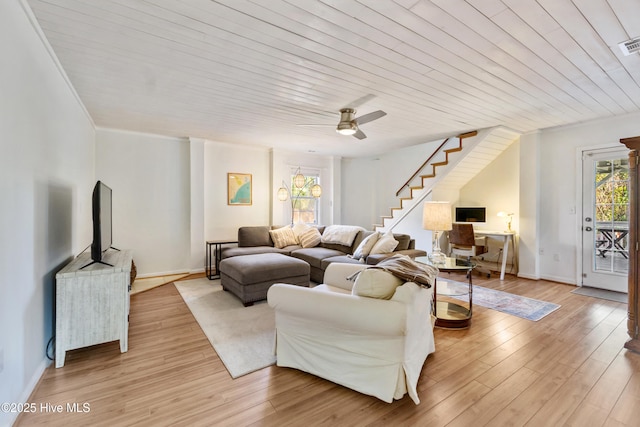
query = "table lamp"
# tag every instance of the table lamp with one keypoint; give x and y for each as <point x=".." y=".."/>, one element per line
<point x="509" y="217"/>
<point x="436" y="216"/>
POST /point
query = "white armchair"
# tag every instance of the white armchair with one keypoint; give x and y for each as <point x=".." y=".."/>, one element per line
<point x="374" y="346"/>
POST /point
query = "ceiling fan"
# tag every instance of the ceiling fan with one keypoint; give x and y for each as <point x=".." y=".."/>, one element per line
<point x="349" y="124"/>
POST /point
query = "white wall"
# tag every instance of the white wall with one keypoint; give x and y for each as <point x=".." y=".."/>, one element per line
<point x="559" y="225"/>
<point x="46" y="179"/>
<point x="496" y="187"/>
<point x="170" y="194"/>
<point x="529" y="218"/>
<point x="369" y="184"/>
<point x="150" y="179"/>
<point x="222" y="220"/>
<point x="196" y="262"/>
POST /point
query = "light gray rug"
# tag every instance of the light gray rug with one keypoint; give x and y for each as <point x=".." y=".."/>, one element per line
<point x="243" y="337"/>
<point x="602" y="293"/>
<point x="516" y="305"/>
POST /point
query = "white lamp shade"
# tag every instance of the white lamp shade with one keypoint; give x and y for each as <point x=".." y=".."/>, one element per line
<point x="316" y="190"/>
<point x="283" y="194"/>
<point x="436" y="216"/>
<point x="298" y="180"/>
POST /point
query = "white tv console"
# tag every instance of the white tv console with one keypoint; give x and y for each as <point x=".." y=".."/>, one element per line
<point x="92" y="303"/>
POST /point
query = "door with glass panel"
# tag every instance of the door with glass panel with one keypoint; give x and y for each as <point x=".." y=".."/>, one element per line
<point x="605" y="222"/>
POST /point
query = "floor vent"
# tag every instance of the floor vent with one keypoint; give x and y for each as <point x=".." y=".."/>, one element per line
<point x="630" y="46"/>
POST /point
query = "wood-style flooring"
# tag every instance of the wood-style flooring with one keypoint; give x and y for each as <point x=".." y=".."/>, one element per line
<point x="568" y="369"/>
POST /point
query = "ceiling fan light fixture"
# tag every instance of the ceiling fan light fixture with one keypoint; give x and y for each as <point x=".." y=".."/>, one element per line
<point x="348" y="128"/>
<point x="347" y="125"/>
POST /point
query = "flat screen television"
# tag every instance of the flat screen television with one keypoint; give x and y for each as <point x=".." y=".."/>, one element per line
<point x="102" y="222"/>
<point x="471" y="214"/>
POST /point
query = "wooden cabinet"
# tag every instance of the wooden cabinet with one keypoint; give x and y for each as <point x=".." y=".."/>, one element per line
<point x="92" y="303"/>
<point x="633" y="326"/>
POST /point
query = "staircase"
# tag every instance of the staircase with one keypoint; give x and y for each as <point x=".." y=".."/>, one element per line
<point x="452" y="165"/>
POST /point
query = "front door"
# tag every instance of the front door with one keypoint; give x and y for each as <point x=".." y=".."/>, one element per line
<point x="605" y="222"/>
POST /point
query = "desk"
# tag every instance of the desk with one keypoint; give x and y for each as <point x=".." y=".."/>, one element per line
<point x="215" y="246"/>
<point x="505" y="236"/>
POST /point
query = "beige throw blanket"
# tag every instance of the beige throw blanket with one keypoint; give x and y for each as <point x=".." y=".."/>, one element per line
<point x="405" y="268"/>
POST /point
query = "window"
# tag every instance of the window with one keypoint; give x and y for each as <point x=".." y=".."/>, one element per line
<point x="306" y="208"/>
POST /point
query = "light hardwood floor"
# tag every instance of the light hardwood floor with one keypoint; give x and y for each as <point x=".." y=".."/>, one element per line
<point x="569" y="368"/>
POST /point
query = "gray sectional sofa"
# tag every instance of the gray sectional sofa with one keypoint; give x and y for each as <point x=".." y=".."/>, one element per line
<point x="257" y="240"/>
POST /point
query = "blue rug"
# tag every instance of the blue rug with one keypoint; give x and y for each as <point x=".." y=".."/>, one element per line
<point x="516" y="305"/>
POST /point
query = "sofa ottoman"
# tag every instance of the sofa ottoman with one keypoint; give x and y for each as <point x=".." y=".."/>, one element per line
<point x="249" y="276"/>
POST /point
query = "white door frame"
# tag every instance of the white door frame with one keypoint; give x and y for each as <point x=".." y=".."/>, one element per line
<point x="580" y="202"/>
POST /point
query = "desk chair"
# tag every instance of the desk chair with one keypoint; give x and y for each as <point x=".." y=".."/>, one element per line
<point x="463" y="243"/>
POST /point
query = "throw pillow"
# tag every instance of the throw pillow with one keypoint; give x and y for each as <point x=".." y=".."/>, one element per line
<point x="283" y="237"/>
<point x="376" y="283"/>
<point x="385" y="244"/>
<point x="365" y="246"/>
<point x="310" y="238"/>
<point x="298" y="229"/>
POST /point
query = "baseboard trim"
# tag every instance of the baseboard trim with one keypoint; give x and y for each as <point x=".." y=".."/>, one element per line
<point x="162" y="273"/>
<point x="32" y="386"/>
<point x="528" y="276"/>
<point x="559" y="280"/>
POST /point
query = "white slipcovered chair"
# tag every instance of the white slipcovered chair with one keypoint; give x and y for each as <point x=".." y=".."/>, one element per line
<point x="371" y="345"/>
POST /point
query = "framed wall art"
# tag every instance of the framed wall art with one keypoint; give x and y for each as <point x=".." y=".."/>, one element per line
<point x="239" y="189"/>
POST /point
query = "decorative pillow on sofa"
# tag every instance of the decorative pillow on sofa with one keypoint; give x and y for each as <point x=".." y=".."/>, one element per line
<point x="365" y="246"/>
<point x="283" y="237"/>
<point x="376" y="283"/>
<point x="306" y="235"/>
<point x="341" y="234"/>
<point x="299" y="228"/>
<point x="385" y="244"/>
<point x="310" y="238"/>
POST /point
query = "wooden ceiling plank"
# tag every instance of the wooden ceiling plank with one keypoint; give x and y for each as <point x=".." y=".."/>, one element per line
<point x="589" y="92"/>
<point x="411" y="79"/>
<point x="510" y="53"/>
<point x="417" y="30"/>
<point x="572" y="20"/>
<point x="501" y="66"/>
<point x="248" y="70"/>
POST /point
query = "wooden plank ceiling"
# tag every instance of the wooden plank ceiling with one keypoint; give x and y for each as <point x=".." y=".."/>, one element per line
<point x="249" y="72"/>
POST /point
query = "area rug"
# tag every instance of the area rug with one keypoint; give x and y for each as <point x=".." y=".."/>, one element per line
<point x="243" y="337"/>
<point x="602" y="294"/>
<point x="516" y="305"/>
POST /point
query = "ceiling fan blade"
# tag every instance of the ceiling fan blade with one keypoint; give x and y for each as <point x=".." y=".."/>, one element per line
<point x="359" y="134"/>
<point x="370" y="117"/>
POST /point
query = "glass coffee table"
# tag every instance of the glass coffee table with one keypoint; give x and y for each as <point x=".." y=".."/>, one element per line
<point x="450" y="312"/>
